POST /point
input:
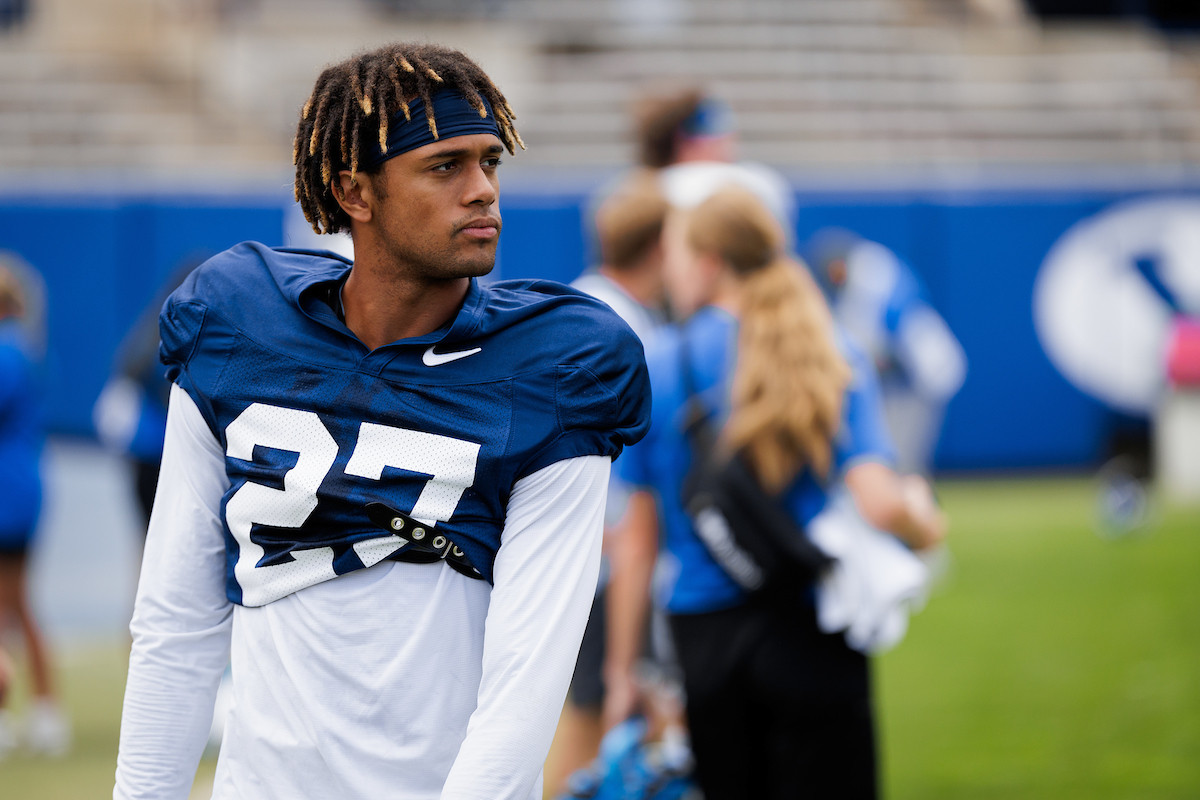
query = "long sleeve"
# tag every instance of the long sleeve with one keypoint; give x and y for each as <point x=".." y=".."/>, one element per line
<point x="181" y="620"/>
<point x="545" y="577"/>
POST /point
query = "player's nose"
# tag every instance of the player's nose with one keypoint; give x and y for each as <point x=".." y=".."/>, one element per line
<point x="482" y="187"/>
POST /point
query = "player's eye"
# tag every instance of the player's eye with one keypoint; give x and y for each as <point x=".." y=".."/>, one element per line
<point x="492" y="163"/>
<point x="445" y="166"/>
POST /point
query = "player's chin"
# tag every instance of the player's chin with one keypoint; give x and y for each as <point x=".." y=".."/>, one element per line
<point x="475" y="263"/>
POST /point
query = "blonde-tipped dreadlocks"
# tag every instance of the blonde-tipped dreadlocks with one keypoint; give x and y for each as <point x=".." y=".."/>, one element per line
<point x="352" y="103"/>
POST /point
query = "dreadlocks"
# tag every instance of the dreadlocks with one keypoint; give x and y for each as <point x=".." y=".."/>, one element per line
<point x="353" y="102"/>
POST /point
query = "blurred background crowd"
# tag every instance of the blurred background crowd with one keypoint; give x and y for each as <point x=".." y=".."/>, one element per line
<point x="1000" y="198"/>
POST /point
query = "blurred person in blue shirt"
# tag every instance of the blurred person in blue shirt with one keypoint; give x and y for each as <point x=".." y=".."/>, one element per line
<point x="629" y="275"/>
<point x="130" y="415"/>
<point x="689" y="135"/>
<point x="686" y="137"/>
<point x="775" y="706"/>
<point x="885" y="310"/>
<point x="21" y="440"/>
<point x="628" y="279"/>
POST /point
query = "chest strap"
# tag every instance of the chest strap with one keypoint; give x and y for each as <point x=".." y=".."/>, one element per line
<point x="425" y="544"/>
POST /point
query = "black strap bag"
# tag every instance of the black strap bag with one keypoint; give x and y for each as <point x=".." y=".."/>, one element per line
<point x="745" y="530"/>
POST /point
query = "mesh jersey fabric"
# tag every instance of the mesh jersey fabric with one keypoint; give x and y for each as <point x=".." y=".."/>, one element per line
<point x="316" y="426"/>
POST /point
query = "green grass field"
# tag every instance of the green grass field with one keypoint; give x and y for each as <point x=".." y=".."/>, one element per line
<point x="1052" y="663"/>
<point x="92" y="677"/>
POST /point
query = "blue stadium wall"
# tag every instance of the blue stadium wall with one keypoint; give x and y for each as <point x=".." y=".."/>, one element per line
<point x="103" y="258"/>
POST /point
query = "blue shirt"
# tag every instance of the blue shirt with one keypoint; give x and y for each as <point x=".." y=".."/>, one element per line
<point x="315" y="426"/>
<point x="21" y="438"/>
<point x="884" y="310"/>
<point x="694" y="583"/>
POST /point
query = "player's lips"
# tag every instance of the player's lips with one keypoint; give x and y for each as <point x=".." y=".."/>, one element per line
<point x="482" y="228"/>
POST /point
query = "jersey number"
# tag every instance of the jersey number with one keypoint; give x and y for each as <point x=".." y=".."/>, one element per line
<point x="450" y="462"/>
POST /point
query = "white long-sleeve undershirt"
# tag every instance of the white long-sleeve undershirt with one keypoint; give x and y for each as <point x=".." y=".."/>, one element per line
<point x="400" y="680"/>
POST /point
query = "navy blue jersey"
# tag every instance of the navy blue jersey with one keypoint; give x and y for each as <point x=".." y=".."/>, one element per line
<point x="315" y="426"/>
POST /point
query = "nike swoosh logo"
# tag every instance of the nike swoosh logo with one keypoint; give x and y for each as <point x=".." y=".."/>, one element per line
<point x="432" y="359"/>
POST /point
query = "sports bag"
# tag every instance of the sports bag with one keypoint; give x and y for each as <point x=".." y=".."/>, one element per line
<point x="745" y="529"/>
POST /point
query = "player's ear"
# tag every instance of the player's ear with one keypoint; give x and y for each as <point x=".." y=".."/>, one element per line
<point x="353" y="195"/>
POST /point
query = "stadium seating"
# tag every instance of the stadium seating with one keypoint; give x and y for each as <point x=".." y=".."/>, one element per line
<point x="175" y="90"/>
<point x="872" y="83"/>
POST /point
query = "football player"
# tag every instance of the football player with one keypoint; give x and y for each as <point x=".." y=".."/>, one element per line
<point x="383" y="482"/>
<point x="629" y="279"/>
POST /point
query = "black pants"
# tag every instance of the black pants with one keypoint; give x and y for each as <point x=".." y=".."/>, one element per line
<point x="145" y="476"/>
<point x="776" y="709"/>
<point x="587" y="684"/>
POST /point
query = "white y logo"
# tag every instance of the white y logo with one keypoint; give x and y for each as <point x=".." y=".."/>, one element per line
<point x="432" y="359"/>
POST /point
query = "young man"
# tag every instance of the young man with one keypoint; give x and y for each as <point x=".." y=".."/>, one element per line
<point x="629" y="275"/>
<point x="383" y="483"/>
<point x="688" y="134"/>
<point x="686" y="137"/>
<point x="629" y="280"/>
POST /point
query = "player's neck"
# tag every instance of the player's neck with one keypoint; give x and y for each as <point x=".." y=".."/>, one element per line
<point x="380" y="312"/>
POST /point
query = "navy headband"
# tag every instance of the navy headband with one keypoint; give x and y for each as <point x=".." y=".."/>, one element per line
<point x="452" y="115"/>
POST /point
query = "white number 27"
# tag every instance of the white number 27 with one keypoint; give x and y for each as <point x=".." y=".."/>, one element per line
<point x="450" y="462"/>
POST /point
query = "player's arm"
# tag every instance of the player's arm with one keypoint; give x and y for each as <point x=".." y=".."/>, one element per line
<point x="930" y="354"/>
<point x="181" y="618"/>
<point x="899" y="504"/>
<point x="545" y="580"/>
<point x="632" y="555"/>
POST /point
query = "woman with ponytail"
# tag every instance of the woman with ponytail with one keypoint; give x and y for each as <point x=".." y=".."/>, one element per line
<point x="776" y="708"/>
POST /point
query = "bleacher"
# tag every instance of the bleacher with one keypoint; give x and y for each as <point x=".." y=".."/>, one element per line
<point x="975" y="145"/>
<point x="80" y="95"/>
<point x="874" y="83"/>
<point x="204" y="89"/>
